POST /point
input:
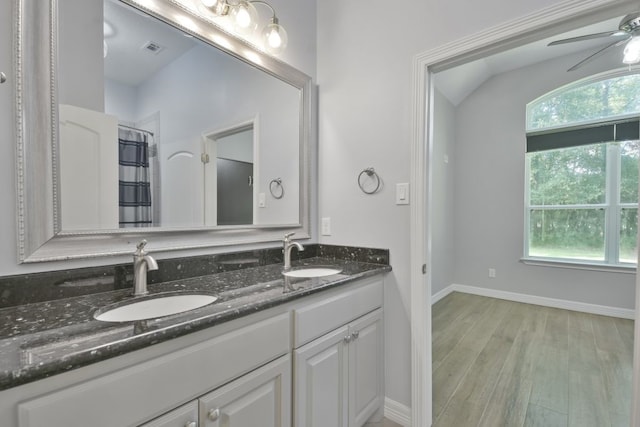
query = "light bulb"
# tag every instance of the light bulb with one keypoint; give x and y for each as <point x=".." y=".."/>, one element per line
<point x="209" y="3"/>
<point x="632" y="51"/>
<point x="244" y="17"/>
<point x="275" y="38"/>
<point x="105" y="48"/>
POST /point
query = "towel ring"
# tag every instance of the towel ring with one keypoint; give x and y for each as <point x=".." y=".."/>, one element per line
<point x="277" y="194"/>
<point x="371" y="173"/>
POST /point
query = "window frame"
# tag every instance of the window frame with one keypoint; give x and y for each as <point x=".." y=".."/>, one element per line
<point x="612" y="211"/>
<point x="612" y="206"/>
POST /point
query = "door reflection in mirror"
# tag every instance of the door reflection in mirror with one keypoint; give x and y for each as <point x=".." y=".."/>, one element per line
<point x="229" y="173"/>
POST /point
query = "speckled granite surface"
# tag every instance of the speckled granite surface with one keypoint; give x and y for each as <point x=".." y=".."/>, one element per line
<point x="45" y="338"/>
<point x="47" y="286"/>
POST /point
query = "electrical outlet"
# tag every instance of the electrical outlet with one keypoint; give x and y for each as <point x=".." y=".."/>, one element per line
<point x="326" y="226"/>
<point x="492" y="273"/>
<point x="262" y="202"/>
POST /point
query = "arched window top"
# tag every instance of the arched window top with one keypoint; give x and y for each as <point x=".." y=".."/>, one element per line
<point x="594" y="99"/>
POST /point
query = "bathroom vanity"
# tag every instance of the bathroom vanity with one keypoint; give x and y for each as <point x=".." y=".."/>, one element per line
<point x="271" y="351"/>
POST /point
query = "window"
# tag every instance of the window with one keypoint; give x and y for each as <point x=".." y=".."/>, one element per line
<point x="582" y="180"/>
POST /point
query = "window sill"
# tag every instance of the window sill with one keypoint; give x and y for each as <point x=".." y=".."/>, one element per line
<point x="577" y="265"/>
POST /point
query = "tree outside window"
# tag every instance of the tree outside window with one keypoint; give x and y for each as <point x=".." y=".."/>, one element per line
<point x="582" y="195"/>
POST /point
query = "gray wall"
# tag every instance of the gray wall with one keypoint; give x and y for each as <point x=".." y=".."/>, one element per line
<point x="365" y="68"/>
<point x="442" y="187"/>
<point x="80" y="78"/>
<point x="489" y="192"/>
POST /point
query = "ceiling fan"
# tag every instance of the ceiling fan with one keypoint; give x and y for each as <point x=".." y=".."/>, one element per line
<point x="628" y="32"/>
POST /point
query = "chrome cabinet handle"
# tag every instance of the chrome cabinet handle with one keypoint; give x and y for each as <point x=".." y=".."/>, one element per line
<point x="214" y="414"/>
<point x="355" y="335"/>
<point x="191" y="424"/>
<point x="347" y="339"/>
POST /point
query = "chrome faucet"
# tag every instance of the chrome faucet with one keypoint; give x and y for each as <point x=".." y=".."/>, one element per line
<point x="287" y="247"/>
<point x="142" y="262"/>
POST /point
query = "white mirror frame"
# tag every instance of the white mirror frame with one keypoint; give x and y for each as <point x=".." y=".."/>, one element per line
<point x="40" y="237"/>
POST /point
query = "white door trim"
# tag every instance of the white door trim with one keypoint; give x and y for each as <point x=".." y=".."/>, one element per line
<point x="539" y="24"/>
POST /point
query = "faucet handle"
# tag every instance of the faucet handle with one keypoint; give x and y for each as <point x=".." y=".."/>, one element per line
<point x="286" y="236"/>
<point x="140" y="247"/>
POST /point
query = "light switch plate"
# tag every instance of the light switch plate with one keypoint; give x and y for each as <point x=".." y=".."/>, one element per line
<point x="262" y="201"/>
<point x="402" y="193"/>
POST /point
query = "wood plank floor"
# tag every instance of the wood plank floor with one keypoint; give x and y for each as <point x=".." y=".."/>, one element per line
<point x="501" y="363"/>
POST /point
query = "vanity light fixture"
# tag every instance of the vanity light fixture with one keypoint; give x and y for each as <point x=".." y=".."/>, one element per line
<point x="244" y="16"/>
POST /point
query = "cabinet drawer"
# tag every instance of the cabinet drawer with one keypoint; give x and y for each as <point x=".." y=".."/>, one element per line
<point x="138" y="393"/>
<point x="316" y="319"/>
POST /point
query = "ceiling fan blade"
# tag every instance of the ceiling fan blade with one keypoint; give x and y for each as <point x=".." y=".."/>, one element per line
<point x="598" y="53"/>
<point x="589" y="37"/>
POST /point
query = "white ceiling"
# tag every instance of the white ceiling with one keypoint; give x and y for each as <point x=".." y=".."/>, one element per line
<point x="127" y="61"/>
<point x="458" y="82"/>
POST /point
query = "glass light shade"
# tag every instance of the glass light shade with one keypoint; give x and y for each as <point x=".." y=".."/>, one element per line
<point x="244" y="17"/>
<point x="275" y="38"/>
<point x="217" y="7"/>
<point x="632" y="51"/>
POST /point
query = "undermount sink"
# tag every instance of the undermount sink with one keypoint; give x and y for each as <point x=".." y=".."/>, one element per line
<point x="154" y="306"/>
<point x="311" y="272"/>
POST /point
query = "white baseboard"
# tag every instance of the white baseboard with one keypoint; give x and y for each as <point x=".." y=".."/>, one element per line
<point x="537" y="300"/>
<point x="397" y="412"/>
<point x="441" y="294"/>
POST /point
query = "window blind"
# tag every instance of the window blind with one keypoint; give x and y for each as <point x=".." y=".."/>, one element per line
<point x="584" y="135"/>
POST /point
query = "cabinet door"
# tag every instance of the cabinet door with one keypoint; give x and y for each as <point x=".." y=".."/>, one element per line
<point x="184" y="416"/>
<point x="365" y="368"/>
<point x="320" y="398"/>
<point x="259" y="398"/>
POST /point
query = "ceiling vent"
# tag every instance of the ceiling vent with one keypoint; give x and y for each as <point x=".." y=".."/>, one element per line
<point x="152" y="47"/>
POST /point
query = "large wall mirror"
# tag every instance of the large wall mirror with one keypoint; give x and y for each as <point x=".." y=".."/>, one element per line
<point x="143" y="119"/>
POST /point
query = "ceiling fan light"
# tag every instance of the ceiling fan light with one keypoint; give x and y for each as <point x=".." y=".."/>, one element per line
<point x="632" y="51"/>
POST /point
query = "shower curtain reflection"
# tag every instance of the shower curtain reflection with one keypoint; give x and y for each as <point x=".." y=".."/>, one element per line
<point x="136" y="156"/>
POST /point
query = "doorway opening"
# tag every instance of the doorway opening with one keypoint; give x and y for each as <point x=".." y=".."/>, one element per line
<point x="229" y="169"/>
<point x="541" y="24"/>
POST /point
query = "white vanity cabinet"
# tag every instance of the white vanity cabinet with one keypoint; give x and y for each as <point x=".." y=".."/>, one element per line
<point x="312" y="362"/>
<point x="339" y="375"/>
<point x="259" y="398"/>
<point x="243" y="359"/>
<point x="184" y="416"/>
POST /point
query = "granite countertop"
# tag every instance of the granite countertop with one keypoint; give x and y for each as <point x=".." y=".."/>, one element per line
<point x="46" y="338"/>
